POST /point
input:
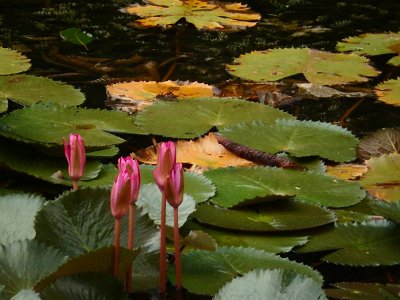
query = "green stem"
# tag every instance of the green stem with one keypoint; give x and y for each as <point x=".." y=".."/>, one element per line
<point x="117" y="230"/>
<point x="163" y="250"/>
<point x="178" y="265"/>
<point x="131" y="228"/>
<point x="75" y="185"/>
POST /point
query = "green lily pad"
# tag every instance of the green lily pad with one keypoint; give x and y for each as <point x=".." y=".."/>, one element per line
<point x="194" y="117"/>
<point x="88" y="286"/>
<point x="371" y="243"/>
<point x="383" y="177"/>
<point x="3" y="105"/>
<point x="362" y="290"/>
<point x="107" y="152"/>
<point x="24" y="263"/>
<point x="12" y="62"/>
<point x="272" y="284"/>
<point x="45" y="123"/>
<point x="318" y="67"/>
<point x="389" y="92"/>
<point x="389" y="210"/>
<point x="273" y="243"/>
<point x="150" y="201"/>
<point x="29" y="89"/>
<point x="239" y="185"/>
<point x="382" y="141"/>
<point x="17" y="215"/>
<point x="76" y="36"/>
<point x="298" y="138"/>
<point x="274" y="216"/>
<point x="226" y="263"/>
<point x="202" y="14"/>
<point x="26" y="294"/>
<point x="199" y="187"/>
<point x="359" y="212"/>
<point x="199" y="239"/>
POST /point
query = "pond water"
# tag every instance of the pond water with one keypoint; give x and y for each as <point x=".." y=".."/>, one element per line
<point x="33" y="27"/>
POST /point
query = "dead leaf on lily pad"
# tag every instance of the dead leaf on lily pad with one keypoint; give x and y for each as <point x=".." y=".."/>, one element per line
<point x="205" y="152"/>
<point x="346" y="171"/>
<point x="383" y="141"/>
<point x="135" y="95"/>
<point x="203" y="14"/>
<point x="383" y="177"/>
<point x="389" y="91"/>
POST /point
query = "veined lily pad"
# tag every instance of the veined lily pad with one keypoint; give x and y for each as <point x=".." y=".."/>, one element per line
<point x="12" y="62"/>
<point x="272" y="284"/>
<point x="201" y="13"/>
<point x="298" y="138"/>
<point x="389" y="210"/>
<point x="389" y="91"/>
<point x="76" y="36"/>
<point x="194" y="117"/>
<point x="363" y="290"/>
<point x="382" y="141"/>
<point x="45" y="123"/>
<point x="275" y="216"/>
<point x="26" y="294"/>
<point x="383" y="177"/>
<point x="28" y="89"/>
<point x="240" y="185"/>
<point x="226" y="263"/>
<point x="319" y="67"/>
<point x="358" y="244"/>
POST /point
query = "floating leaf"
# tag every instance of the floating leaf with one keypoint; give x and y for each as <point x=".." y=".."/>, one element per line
<point x="346" y="171"/>
<point x="24" y="263"/>
<point x="383" y="177"/>
<point x="389" y="210"/>
<point x="3" y="105"/>
<point x="272" y="284"/>
<point x="88" y="286"/>
<point x="46" y="123"/>
<point x="194" y="117"/>
<point x="150" y="201"/>
<point x="76" y="36"/>
<point x="273" y="243"/>
<point x="135" y="95"/>
<point x="359" y="212"/>
<point x="29" y="89"/>
<point x="204" y="151"/>
<point x="17" y="214"/>
<point x="382" y="141"/>
<point x="201" y="13"/>
<point x="12" y="62"/>
<point x="358" y="244"/>
<point x="318" y="67"/>
<point x="200" y="188"/>
<point x="106" y="177"/>
<point x="200" y="240"/>
<point x="107" y="152"/>
<point x="389" y="91"/>
<point x="226" y="263"/>
<point x="26" y="295"/>
<point x="274" y="216"/>
<point x="298" y="138"/>
<point x="362" y="290"/>
<point x="236" y="185"/>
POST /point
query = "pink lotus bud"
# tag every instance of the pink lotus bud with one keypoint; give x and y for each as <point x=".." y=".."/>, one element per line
<point x="166" y="159"/>
<point x="120" y="195"/>
<point x="174" y="186"/>
<point x="76" y="157"/>
<point x="132" y="167"/>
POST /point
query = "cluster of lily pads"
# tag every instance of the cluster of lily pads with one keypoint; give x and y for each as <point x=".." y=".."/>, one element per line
<point x="236" y="216"/>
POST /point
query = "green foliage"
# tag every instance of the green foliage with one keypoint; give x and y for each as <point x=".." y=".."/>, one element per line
<point x="240" y="185"/>
<point x="298" y="138"/>
<point x="362" y="290"/>
<point x="389" y="210"/>
<point x="194" y="117"/>
<point x="389" y="91"/>
<point x="318" y="67"/>
<point x="26" y="295"/>
<point x="17" y="215"/>
<point x="205" y="272"/>
<point x="3" y="105"/>
<point x="29" y="89"/>
<point x="76" y="36"/>
<point x="277" y="284"/>
<point x="12" y="62"/>
<point x="369" y="243"/>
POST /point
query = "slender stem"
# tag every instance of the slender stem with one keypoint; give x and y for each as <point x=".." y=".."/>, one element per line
<point x="178" y="265"/>
<point x="131" y="228"/>
<point x="75" y="185"/>
<point x="350" y="110"/>
<point x="163" y="250"/>
<point x="117" y="229"/>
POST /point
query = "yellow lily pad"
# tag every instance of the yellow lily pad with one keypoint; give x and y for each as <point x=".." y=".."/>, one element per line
<point x="389" y="91"/>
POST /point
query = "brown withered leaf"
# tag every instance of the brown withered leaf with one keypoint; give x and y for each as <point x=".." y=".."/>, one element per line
<point x="205" y="152"/>
<point x="382" y="141"/>
<point x="135" y="95"/>
<point x="346" y="171"/>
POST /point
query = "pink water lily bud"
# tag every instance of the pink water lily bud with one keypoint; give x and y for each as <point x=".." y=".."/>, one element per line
<point x="75" y="153"/>
<point x="166" y="159"/>
<point x="132" y="167"/>
<point x="120" y="195"/>
<point x="174" y="186"/>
